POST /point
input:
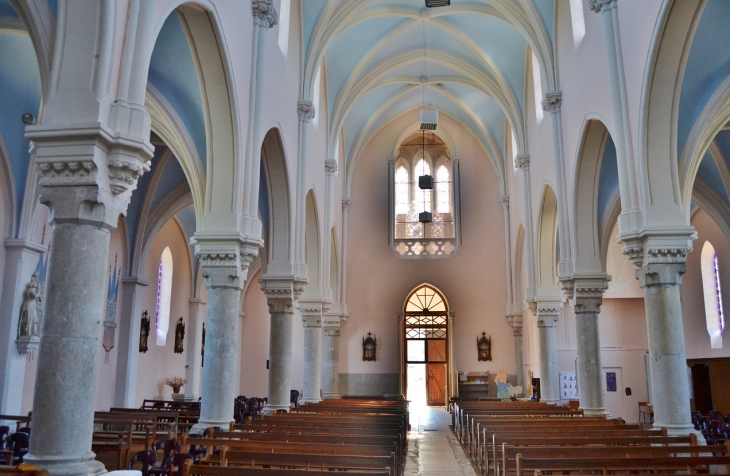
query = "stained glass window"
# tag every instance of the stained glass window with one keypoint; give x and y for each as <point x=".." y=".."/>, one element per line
<point x="423" y="196"/>
<point x="164" y="291"/>
<point x="711" y="289"/>
<point x="401" y="191"/>
<point x="443" y="190"/>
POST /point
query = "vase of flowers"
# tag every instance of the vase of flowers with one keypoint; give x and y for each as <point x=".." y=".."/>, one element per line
<point x="176" y="383"/>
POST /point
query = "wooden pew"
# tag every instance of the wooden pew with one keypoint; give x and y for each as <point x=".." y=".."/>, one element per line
<point x="190" y="469"/>
<point x="118" y="440"/>
<point x="252" y="459"/>
<point x="638" y="465"/>
<point x="509" y="453"/>
<point x="22" y="470"/>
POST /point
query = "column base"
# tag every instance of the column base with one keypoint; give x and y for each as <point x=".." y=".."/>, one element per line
<point x="84" y="465"/>
<point x="271" y="409"/>
<point x="331" y="396"/>
<point x="595" y="412"/>
<point x="680" y="430"/>
<point x="203" y="425"/>
<point x="309" y="400"/>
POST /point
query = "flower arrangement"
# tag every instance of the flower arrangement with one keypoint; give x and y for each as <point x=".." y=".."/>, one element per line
<point x="176" y="383"/>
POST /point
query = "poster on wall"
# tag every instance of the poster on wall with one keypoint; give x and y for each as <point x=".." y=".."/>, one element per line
<point x="568" y="386"/>
<point x="610" y="381"/>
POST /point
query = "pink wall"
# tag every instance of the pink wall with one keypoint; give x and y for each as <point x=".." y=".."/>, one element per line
<point x="160" y="362"/>
<point x="473" y="281"/>
<point x="697" y="340"/>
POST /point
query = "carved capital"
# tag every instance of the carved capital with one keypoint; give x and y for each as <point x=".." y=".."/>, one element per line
<point x="330" y="166"/>
<point x="311" y="318"/>
<point x="504" y="201"/>
<point x="601" y="6"/>
<point x="588" y="287"/>
<point x="587" y="305"/>
<point x="123" y="174"/>
<point x="346" y="202"/>
<point x="305" y="110"/>
<point x="265" y="13"/>
<point x="217" y="260"/>
<point x="552" y="102"/>
<point x="220" y="259"/>
<point x="660" y="274"/>
<point x="635" y="253"/>
<point x="522" y="162"/>
<point x="281" y="293"/>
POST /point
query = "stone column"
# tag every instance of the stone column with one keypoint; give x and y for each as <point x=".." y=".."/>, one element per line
<point x="194" y="344"/>
<point x="221" y="263"/>
<point x="305" y="112"/>
<point x="280" y="295"/>
<point x="660" y="276"/>
<point x="630" y="217"/>
<point x="516" y="323"/>
<point x="125" y="392"/>
<point x="547" y="321"/>
<point x="346" y="202"/>
<point x="331" y="380"/>
<point x="86" y="178"/>
<point x="20" y="263"/>
<point x="330" y="168"/>
<point x="522" y="162"/>
<point x="588" y="299"/>
<point x="552" y="104"/>
<point x="311" y="312"/>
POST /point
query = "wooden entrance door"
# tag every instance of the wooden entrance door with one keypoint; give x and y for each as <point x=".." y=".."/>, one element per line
<point x="435" y="383"/>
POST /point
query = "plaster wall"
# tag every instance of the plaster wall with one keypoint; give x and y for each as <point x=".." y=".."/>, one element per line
<point x="378" y="283"/>
<point x="697" y="339"/>
<point x="160" y="362"/>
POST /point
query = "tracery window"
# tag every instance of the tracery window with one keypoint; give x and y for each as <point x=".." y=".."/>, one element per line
<point x="410" y="237"/>
<point x="164" y="291"/>
<point x="714" y="315"/>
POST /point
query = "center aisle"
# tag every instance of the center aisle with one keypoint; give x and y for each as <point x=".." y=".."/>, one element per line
<point x="433" y="450"/>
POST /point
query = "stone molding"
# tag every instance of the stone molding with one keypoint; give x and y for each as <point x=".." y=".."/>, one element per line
<point x="217" y="260"/>
<point x="311" y="319"/>
<point x="522" y="161"/>
<point x="123" y="174"/>
<point x="305" y="110"/>
<point x="265" y="13"/>
<point x="667" y="256"/>
<point x="635" y="254"/>
<point x="601" y="6"/>
<point x="73" y="173"/>
<point x="552" y="102"/>
<point x="346" y="202"/>
<point x="330" y="166"/>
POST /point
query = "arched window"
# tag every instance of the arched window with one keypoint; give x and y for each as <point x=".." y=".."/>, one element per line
<point x="284" y="15"/>
<point x="423" y="197"/>
<point x="714" y="317"/>
<point x="443" y="190"/>
<point x="537" y="86"/>
<point x="401" y="191"/>
<point x="578" y="21"/>
<point x="164" y="290"/>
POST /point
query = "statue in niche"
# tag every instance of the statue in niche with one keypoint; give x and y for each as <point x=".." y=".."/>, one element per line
<point x="31" y="309"/>
<point x="179" y="336"/>
<point x="144" y="332"/>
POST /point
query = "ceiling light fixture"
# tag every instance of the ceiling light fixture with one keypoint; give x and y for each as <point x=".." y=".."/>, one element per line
<point x="437" y="3"/>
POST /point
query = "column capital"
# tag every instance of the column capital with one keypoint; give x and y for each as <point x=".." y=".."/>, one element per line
<point x="305" y="110"/>
<point x="331" y="331"/>
<point x="281" y="292"/>
<point x="552" y="102"/>
<point x="223" y="257"/>
<point x="86" y="174"/>
<point x="522" y="161"/>
<point x="330" y="167"/>
<point x="504" y="201"/>
<point x="391" y="160"/>
<point x="311" y="311"/>
<point x="548" y="310"/>
<point x="659" y="256"/>
<point x="515" y="320"/>
<point x="265" y="13"/>
<point x="601" y="6"/>
<point x="346" y="202"/>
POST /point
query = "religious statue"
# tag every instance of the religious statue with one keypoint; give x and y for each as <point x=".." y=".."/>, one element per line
<point x="144" y="332"/>
<point x="31" y="309"/>
<point x="179" y="336"/>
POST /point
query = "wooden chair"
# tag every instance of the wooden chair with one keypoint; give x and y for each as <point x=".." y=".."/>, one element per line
<point x="147" y="458"/>
<point x="645" y="411"/>
<point x="174" y="464"/>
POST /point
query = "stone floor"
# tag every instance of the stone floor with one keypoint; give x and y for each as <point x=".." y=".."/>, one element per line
<point x="433" y="450"/>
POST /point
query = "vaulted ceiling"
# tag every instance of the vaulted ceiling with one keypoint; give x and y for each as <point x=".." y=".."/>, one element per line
<point x="384" y="57"/>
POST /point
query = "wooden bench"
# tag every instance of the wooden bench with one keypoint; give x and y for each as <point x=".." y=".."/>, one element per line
<point x="638" y="465"/>
<point x="118" y="441"/>
<point x="510" y="452"/>
<point x="190" y="469"/>
<point x="337" y="462"/>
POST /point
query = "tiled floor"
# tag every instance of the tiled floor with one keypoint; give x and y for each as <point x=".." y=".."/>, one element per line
<point x="433" y="450"/>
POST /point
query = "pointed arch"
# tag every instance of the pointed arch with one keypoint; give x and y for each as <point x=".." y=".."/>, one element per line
<point x="279" y="247"/>
<point x="312" y="247"/>
<point x="547" y="244"/>
<point x="587" y="253"/>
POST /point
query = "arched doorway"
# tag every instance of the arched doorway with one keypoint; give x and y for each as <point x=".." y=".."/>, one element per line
<point x="425" y="346"/>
